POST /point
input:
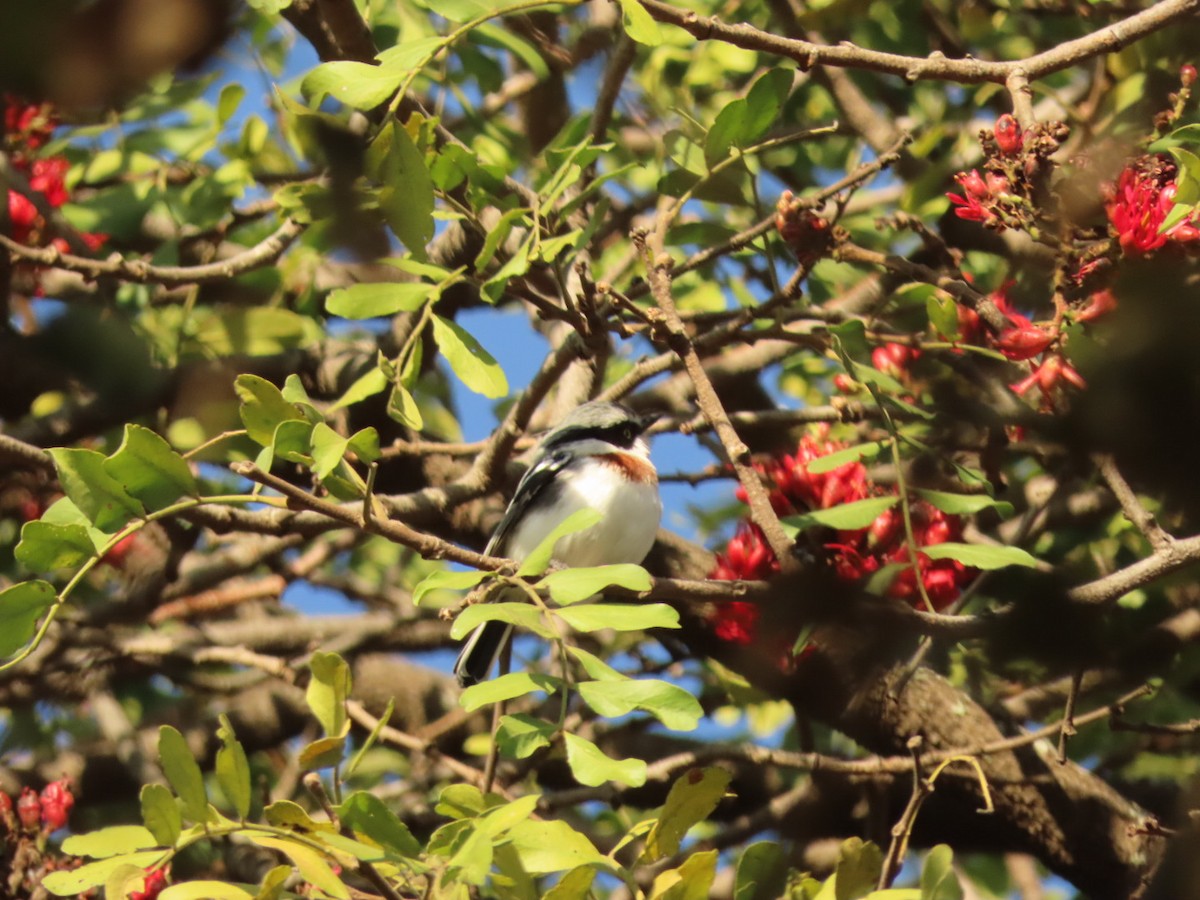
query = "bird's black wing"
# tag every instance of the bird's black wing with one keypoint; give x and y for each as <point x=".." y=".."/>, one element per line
<point x="537" y="486"/>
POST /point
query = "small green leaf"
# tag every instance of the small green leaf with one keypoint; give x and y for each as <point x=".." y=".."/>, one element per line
<point x="981" y="556"/>
<point x="460" y="801"/>
<point x="160" y="813"/>
<point x="938" y="881"/>
<point x="551" y="845"/>
<point x="21" y="608"/>
<point x="372" y="382"/>
<point x="369" y="817"/>
<point x="470" y="362"/>
<point x="327" y="692"/>
<point x="149" y="469"/>
<point x="858" y="867"/>
<point x="183" y="773"/>
<point x="761" y="872"/>
<point x="537" y="561"/>
<point x="669" y="703"/>
<point x="45" y="546"/>
<point x="575" y="885"/>
<point x="620" y="616"/>
<point x="520" y="614"/>
<point x="506" y="687"/>
<point x="591" y="767"/>
<point x="323" y="753"/>
<point x="233" y="769"/>
<point x="365" y="444"/>
<point x="445" y="580"/>
<point x="963" y="504"/>
<point x="847" y="517"/>
<point x="69" y="882"/>
<point x="639" y="24"/>
<point x="328" y="450"/>
<point x="263" y="408"/>
<point x="499" y="819"/>
<point x="572" y="585"/>
<point x="406" y="198"/>
<point x="312" y="865"/>
<point x="357" y="85"/>
<point x="372" y="300"/>
<point x="100" y="496"/>
<point x="205" y="890"/>
<point x="691" y="800"/>
<point x="943" y="313"/>
<point x="111" y="841"/>
<point x="764" y="102"/>
<point x="521" y="735"/>
<point x="838" y="458"/>
<point x="403" y="408"/>
<point x="596" y="668"/>
<point x="691" y="881"/>
<point x="286" y="814"/>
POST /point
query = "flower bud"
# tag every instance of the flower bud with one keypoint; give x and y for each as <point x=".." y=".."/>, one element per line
<point x="972" y="182"/>
<point x="1024" y="341"/>
<point x="57" y="802"/>
<point x="1008" y="135"/>
<point x="29" y="809"/>
<point x="1187" y="74"/>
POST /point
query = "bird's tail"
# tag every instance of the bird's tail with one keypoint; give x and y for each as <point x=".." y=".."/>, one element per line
<point x="480" y="651"/>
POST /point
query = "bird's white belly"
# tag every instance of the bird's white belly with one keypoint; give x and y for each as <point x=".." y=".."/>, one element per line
<point x="631" y="513"/>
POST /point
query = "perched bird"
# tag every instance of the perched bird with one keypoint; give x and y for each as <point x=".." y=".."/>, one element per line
<point x="597" y="458"/>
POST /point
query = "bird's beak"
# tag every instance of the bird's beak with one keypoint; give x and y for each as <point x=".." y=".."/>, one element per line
<point x="647" y="419"/>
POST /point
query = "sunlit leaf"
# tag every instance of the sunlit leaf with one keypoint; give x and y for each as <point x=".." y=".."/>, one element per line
<point x="98" y="495"/>
<point x="572" y="585"/>
<point x="691" y="800"/>
<point x="592" y="767"/>
<point x="981" y="556"/>
<point x="474" y="365"/>
<point x="149" y="469"/>
<point x="669" y="703"/>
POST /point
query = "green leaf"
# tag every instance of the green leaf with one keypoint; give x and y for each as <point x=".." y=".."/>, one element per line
<point x="365" y="444"/>
<point x="403" y="408"/>
<point x="45" y="546"/>
<point x="100" y="496"/>
<point x="572" y="585"/>
<point x="445" y="580"/>
<point x="323" y="753"/>
<point x="233" y="769"/>
<point x="183" y="773"/>
<point x="357" y="85"/>
<point x="293" y="441"/>
<point x="369" y="817"/>
<point x="372" y="300"/>
<point x="691" y="800"/>
<point x="263" y="408"/>
<point x="327" y="692"/>
<point x="691" y="881"/>
<point x="639" y="24"/>
<point x="847" y="517"/>
<point x="858" y="867"/>
<point x="963" y="504"/>
<point x="596" y="668"/>
<point x="472" y="858"/>
<point x="537" y="561"/>
<point x="494" y="36"/>
<point x="506" y="687"/>
<point x="160" y="813"/>
<point x="372" y="382"/>
<point x="521" y="735"/>
<point x="467" y="10"/>
<point x="938" y="881"/>
<point x="839" y="458"/>
<point x="149" y="469"/>
<point x="591" y="767"/>
<point x="312" y="865"/>
<point x="551" y="845"/>
<point x="499" y="819"/>
<point x="123" y="881"/>
<point x="205" y="890"/>
<point x="111" y="841"/>
<point x="761" y="872"/>
<point x="21" y="607"/>
<point x="460" y="801"/>
<point x="575" y="885"/>
<point x="520" y="614"/>
<point x="231" y="98"/>
<point x="764" y="102"/>
<point x="981" y="556"/>
<point x="669" y="703"/>
<point x="292" y="816"/>
<point x="943" y="313"/>
<point x="68" y="882"/>
<point x="620" y="616"/>
<point x="406" y="198"/>
<point x="328" y="450"/>
<point x="470" y="362"/>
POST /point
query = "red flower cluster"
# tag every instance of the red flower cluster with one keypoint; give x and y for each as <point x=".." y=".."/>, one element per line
<point x="27" y="128"/>
<point x="809" y="235"/>
<point x="853" y="554"/>
<point x="981" y="198"/>
<point x="36" y="813"/>
<point x="1138" y="204"/>
<point x="152" y="886"/>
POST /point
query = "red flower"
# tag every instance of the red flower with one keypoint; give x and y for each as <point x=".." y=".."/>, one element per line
<point x="57" y="802"/>
<point x="735" y="622"/>
<point x="152" y="885"/>
<point x="29" y="809"/>
<point x="1024" y="340"/>
<point x="1008" y="135"/>
<point x="975" y="203"/>
<point x="1099" y="304"/>
<point x="47" y="179"/>
<point x="1139" y="203"/>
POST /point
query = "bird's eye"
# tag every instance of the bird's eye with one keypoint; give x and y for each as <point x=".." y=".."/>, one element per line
<point x="628" y="434"/>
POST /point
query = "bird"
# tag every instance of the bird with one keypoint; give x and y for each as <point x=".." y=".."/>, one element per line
<point x="597" y="458"/>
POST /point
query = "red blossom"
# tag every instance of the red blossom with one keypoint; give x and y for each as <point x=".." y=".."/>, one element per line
<point x="1008" y="135"/>
<point x="152" y="885"/>
<point x="1187" y="74"/>
<point x="1099" y="304"/>
<point x="979" y="195"/>
<point x="735" y="622"/>
<point x="1024" y="340"/>
<point x="29" y="809"/>
<point x="1140" y="202"/>
<point x="57" y="802"/>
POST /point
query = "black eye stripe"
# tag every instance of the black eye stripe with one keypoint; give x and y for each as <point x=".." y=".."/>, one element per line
<point x="622" y="434"/>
